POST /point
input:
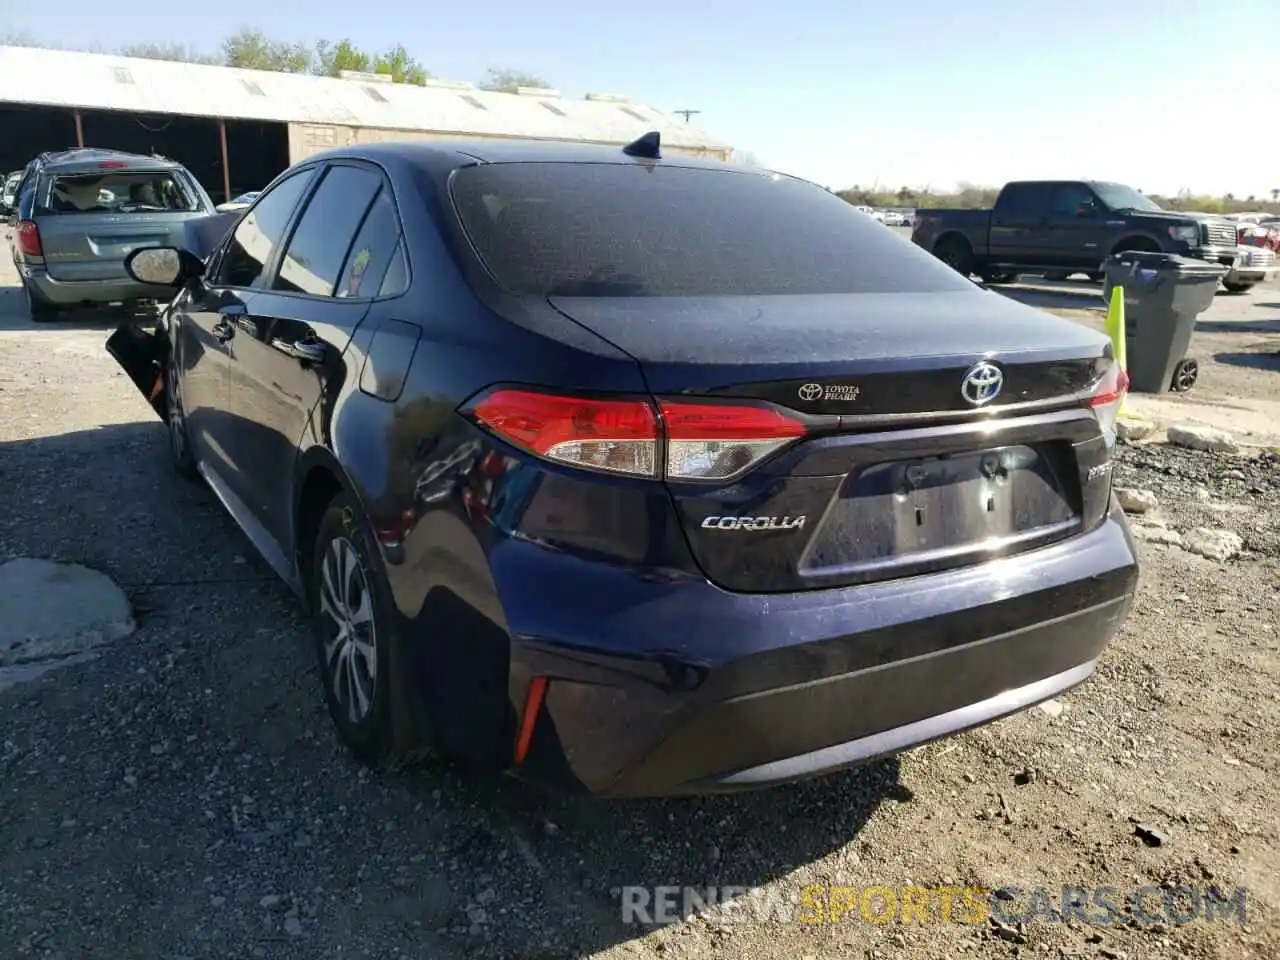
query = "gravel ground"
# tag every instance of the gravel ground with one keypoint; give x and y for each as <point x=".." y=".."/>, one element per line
<point x="181" y="795"/>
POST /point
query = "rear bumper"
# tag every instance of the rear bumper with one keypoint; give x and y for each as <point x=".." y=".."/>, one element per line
<point x="727" y="692"/>
<point x="65" y="293"/>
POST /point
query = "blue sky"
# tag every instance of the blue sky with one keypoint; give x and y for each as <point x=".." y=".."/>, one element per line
<point x="1161" y="94"/>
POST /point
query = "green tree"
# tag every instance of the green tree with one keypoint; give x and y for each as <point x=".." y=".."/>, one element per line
<point x="400" y="67"/>
<point x="508" y="81"/>
<point x="332" y="58"/>
<point x="168" y="51"/>
<point x="251" y="49"/>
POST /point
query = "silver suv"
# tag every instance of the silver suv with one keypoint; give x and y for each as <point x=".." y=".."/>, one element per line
<point x="79" y="213"/>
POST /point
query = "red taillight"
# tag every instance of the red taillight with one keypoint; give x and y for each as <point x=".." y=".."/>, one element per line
<point x="1108" y="395"/>
<point x="714" y="441"/>
<point x="703" y="440"/>
<point x="620" y="436"/>
<point x="29" y="239"/>
<point x="112" y="165"/>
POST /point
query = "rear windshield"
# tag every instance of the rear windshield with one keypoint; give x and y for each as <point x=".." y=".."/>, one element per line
<point x="631" y="230"/>
<point x="120" y="192"/>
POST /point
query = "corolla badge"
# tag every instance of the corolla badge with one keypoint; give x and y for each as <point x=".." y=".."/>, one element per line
<point x="981" y="383"/>
<point x="753" y="523"/>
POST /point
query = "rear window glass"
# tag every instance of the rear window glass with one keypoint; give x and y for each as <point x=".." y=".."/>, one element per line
<point x="119" y="192"/>
<point x="631" y="230"/>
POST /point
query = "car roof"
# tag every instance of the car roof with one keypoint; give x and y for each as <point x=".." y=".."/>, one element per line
<point x="452" y="154"/>
<point x="92" y="157"/>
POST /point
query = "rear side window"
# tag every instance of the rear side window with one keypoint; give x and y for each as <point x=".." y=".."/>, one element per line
<point x="376" y="244"/>
<point x="119" y="192"/>
<point x="633" y="230"/>
<point x="318" y="248"/>
<point x="256" y="237"/>
<point x="1023" y="199"/>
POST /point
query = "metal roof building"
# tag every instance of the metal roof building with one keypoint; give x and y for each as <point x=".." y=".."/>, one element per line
<point x="322" y="112"/>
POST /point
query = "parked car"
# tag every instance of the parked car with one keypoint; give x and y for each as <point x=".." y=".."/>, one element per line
<point x="759" y="493"/>
<point x="1059" y="227"/>
<point x="241" y="202"/>
<point x="81" y="212"/>
<point x="1257" y="263"/>
<point x="896" y="218"/>
<point x="9" y="190"/>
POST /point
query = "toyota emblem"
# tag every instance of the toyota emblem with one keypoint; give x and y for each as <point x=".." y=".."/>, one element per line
<point x="982" y="383"/>
<point x="811" y="391"/>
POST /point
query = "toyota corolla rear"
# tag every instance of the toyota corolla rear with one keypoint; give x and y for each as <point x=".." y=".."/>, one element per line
<point x="849" y="502"/>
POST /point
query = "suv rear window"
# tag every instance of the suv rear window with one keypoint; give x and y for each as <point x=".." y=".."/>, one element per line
<point x="118" y="192"/>
<point x="634" y="230"/>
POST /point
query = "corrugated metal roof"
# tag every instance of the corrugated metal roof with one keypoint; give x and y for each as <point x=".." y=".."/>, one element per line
<point x="62" y="78"/>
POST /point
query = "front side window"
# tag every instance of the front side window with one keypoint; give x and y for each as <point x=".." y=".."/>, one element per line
<point x="250" y="248"/>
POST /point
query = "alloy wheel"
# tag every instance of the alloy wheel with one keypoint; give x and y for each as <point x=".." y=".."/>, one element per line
<point x="350" y="639"/>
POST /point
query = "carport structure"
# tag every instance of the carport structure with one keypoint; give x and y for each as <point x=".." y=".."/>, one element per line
<point x="236" y="129"/>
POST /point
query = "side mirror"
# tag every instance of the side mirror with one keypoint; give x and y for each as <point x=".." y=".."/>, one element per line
<point x="163" y="266"/>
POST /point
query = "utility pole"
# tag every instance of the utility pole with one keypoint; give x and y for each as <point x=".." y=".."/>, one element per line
<point x="686" y="114"/>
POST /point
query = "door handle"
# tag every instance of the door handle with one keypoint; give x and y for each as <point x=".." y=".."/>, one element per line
<point x="223" y="331"/>
<point x="307" y="351"/>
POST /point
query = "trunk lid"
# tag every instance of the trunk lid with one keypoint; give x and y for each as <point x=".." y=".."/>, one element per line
<point x="899" y="473"/>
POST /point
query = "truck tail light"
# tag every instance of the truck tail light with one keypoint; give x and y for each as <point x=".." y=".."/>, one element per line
<point x="29" y="239"/>
<point x="700" y="440"/>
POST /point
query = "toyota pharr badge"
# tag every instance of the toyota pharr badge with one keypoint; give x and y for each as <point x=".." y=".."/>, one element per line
<point x="844" y="392"/>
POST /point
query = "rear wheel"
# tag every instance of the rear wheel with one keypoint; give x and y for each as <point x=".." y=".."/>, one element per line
<point x="956" y="253"/>
<point x="1237" y="286"/>
<point x="354" y="625"/>
<point x="40" y="311"/>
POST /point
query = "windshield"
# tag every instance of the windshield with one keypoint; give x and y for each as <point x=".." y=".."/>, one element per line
<point x="1119" y="197"/>
<point x="124" y="191"/>
<point x="631" y="230"/>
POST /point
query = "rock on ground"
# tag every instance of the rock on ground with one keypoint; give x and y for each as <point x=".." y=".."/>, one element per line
<point x="1214" y="544"/>
<point x="1133" y="500"/>
<point x="1197" y="437"/>
<point x="1153" y="534"/>
<point x="1131" y="431"/>
<point x="50" y="609"/>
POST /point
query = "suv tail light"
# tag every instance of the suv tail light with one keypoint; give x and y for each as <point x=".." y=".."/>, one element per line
<point x="1108" y="396"/>
<point x="29" y="239"/>
<point x="701" y="440"/>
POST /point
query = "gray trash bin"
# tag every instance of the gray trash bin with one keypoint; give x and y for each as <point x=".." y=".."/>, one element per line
<point x="1163" y="295"/>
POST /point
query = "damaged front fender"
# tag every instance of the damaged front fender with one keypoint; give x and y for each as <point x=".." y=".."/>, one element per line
<point x="143" y="355"/>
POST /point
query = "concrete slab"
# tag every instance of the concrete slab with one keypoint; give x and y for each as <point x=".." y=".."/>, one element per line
<point x="51" y="610"/>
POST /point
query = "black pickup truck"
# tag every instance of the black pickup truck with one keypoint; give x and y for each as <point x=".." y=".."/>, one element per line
<point x="1060" y="227"/>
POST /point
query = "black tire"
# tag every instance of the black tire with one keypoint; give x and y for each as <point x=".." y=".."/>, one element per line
<point x="1097" y="277"/>
<point x="180" y="455"/>
<point x="957" y="254"/>
<point x="1058" y="277"/>
<point x="1235" y="286"/>
<point x="40" y="311"/>
<point x="362" y="602"/>
<point x="1185" y="375"/>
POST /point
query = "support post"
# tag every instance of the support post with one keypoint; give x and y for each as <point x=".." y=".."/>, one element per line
<point x="79" y="128"/>
<point x="226" y="166"/>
